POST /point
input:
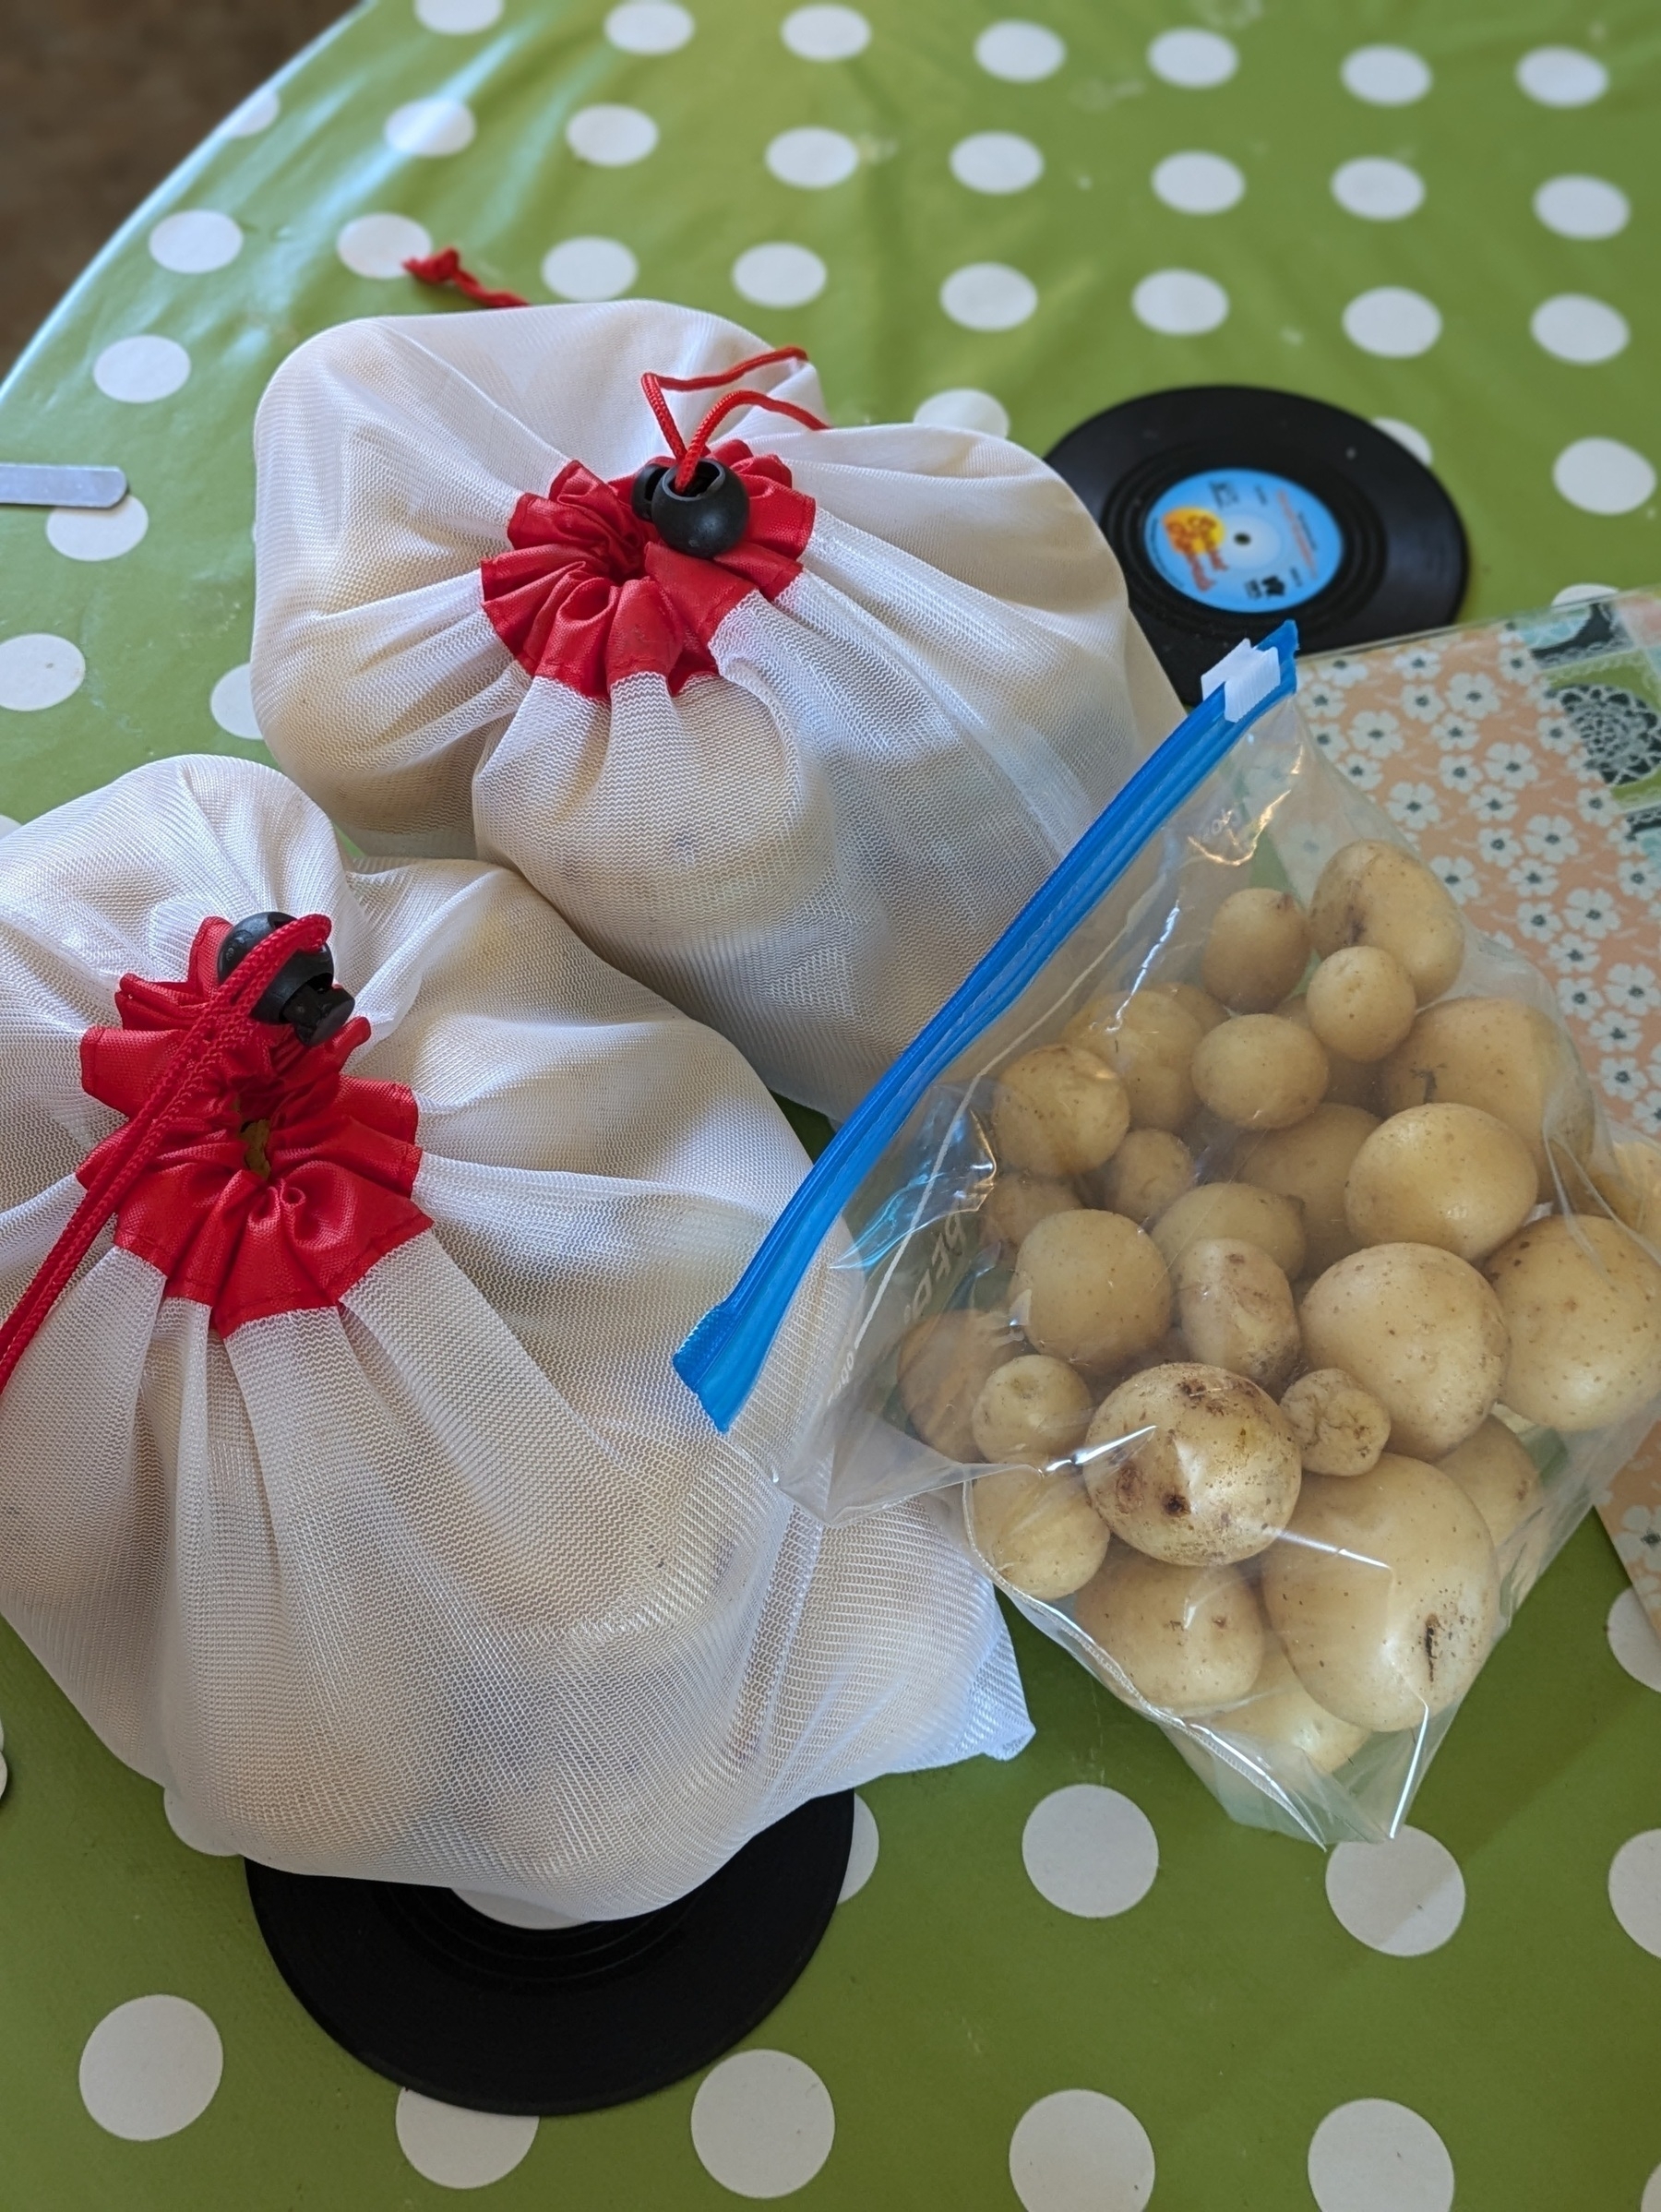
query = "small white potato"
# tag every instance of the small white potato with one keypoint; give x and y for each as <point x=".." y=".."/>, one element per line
<point x="1420" y="1329"/>
<point x="1341" y="1429"/>
<point x="1234" y="1307"/>
<point x="1188" y="1637"/>
<point x="1200" y="1004"/>
<point x="1631" y="1187"/>
<point x="1038" y="1530"/>
<point x="1310" y="1162"/>
<point x="1385" y="1593"/>
<point x="1361" y="1002"/>
<point x="1581" y="1302"/>
<point x="1213" y="1479"/>
<point x="1373" y="893"/>
<point x="1031" y="1410"/>
<point x="1090" y="1288"/>
<point x="1500" y="1478"/>
<point x="1057" y="1111"/>
<point x="1446" y="1174"/>
<point x="1349" y="1083"/>
<point x="1257" y="950"/>
<point x="1149" y="1041"/>
<point x="1260" y="1072"/>
<point x="1507" y="1058"/>
<point x="1149" y="1171"/>
<point x="1238" y="1210"/>
<point x="1281" y="1716"/>
<point x="944" y="1363"/>
<point x="1017" y="1203"/>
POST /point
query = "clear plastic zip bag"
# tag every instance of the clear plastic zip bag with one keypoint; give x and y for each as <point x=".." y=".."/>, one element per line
<point x="1245" y="1239"/>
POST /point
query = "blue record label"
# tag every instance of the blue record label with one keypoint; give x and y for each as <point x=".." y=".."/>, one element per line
<point x="1243" y="541"/>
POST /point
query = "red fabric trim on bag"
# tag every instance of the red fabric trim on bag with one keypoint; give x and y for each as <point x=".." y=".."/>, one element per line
<point x="340" y="1153"/>
<point x="590" y="594"/>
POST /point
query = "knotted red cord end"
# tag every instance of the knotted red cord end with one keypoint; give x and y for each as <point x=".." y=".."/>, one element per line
<point x="687" y="453"/>
<point x="446" y="268"/>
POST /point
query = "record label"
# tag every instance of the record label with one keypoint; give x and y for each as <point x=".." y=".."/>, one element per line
<point x="1243" y="540"/>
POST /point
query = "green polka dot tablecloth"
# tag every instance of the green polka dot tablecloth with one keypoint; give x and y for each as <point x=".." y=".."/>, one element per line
<point x="1067" y="1984"/>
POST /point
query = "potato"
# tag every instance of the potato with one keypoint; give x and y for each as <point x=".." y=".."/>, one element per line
<point x="1310" y="1162"/>
<point x="1581" y="1302"/>
<point x="1349" y="1083"/>
<point x="1420" y="1329"/>
<point x="1361" y="1002"/>
<point x="1501" y="1481"/>
<point x="1213" y="1481"/>
<point x="1017" y="1203"/>
<point x="1090" y="1287"/>
<point x="944" y="1363"/>
<point x="1281" y="1716"/>
<point x="1234" y="1307"/>
<point x="1188" y="1637"/>
<point x="1446" y="1174"/>
<point x="1372" y="894"/>
<point x="1258" y="947"/>
<point x="1200" y="1004"/>
<point x="1629" y="1185"/>
<point x="1341" y="1429"/>
<point x="1031" y="1410"/>
<point x="1260" y="1072"/>
<point x="1385" y="1593"/>
<point x="1057" y="1111"/>
<point x="1039" y="1530"/>
<point x="1149" y="1042"/>
<point x="1238" y="1210"/>
<point x="1503" y="1057"/>
<point x="1149" y="1171"/>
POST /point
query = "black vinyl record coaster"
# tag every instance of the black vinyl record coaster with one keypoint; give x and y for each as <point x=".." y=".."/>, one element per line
<point x="441" y="1998"/>
<point x="1231" y="506"/>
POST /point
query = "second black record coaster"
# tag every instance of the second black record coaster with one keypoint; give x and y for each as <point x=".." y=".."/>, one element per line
<point x="1231" y="506"/>
<point x="442" y="1999"/>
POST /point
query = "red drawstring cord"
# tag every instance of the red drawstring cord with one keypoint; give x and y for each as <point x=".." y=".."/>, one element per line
<point x="688" y="452"/>
<point x="446" y="268"/>
<point x="222" y="1020"/>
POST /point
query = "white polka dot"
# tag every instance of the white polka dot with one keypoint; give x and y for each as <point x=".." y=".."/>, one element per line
<point x="649" y="27"/>
<point x="378" y="246"/>
<point x="137" y="369"/>
<point x="456" y="18"/>
<point x="430" y="127"/>
<point x="1576" y="327"/>
<point x="257" y="113"/>
<point x="460" y="2149"/>
<point x="84" y="533"/>
<point x="1632" y="1634"/>
<point x="151" y="2067"/>
<point x="1198" y="184"/>
<point x="1393" y="322"/>
<point x="1090" y="1851"/>
<point x="862" y="1852"/>
<point x="996" y="161"/>
<point x="1022" y="54"/>
<point x="611" y="136"/>
<point x="1180" y="302"/>
<point x="826" y="33"/>
<point x="1417" y="442"/>
<point x="1373" y="2155"/>
<point x="811" y="158"/>
<point x="1635" y="1889"/>
<point x="38" y="670"/>
<point x="1582" y="207"/>
<point x="1602" y="476"/>
<point x="1078" y="2151"/>
<point x="1403" y="1897"/>
<point x="195" y="240"/>
<point x="762" y="2123"/>
<point x="964" y="408"/>
<point x="516" y="1913"/>
<point x="1562" y="77"/>
<point x="779" y="275"/>
<point x="589" y="268"/>
<point x="192" y="1831"/>
<point x="230" y="703"/>
<point x="1573" y="595"/>
<point x="1651" y="2199"/>
<point x="1386" y="76"/>
<point x="1379" y="190"/>
<point x="989" y="295"/>
<point x="1194" y="59"/>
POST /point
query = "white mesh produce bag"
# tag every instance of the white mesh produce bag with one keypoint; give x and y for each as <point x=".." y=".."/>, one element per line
<point x="799" y="786"/>
<point x="346" y="1487"/>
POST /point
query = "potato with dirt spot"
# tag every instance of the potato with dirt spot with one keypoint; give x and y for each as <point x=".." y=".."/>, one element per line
<point x="1057" y="1111"/>
<point x="1234" y="1307"/>
<point x="944" y="1363"/>
<point x="1017" y="1203"/>
<point x="1090" y="1288"/>
<point x="1497" y="1474"/>
<point x="1310" y="1163"/>
<point x="1280" y="1715"/>
<point x="1038" y="1530"/>
<point x="1505" y="1058"/>
<point x="1420" y="1329"/>
<point x="1189" y="1638"/>
<point x="1031" y="1410"/>
<point x="1213" y="1480"/>
<point x="1257" y="948"/>
<point x="1361" y="1002"/>
<point x="1341" y="1429"/>
<point x="1260" y="1072"/>
<point x="1149" y="1042"/>
<point x="1385" y="1594"/>
<point x="1581" y="1302"/>
<point x="1446" y="1174"/>
<point x="1239" y="1209"/>
<point x="1373" y="893"/>
<point x="1149" y="1171"/>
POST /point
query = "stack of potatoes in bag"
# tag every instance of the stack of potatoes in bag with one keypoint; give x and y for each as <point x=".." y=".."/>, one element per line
<point x="1291" y="1277"/>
